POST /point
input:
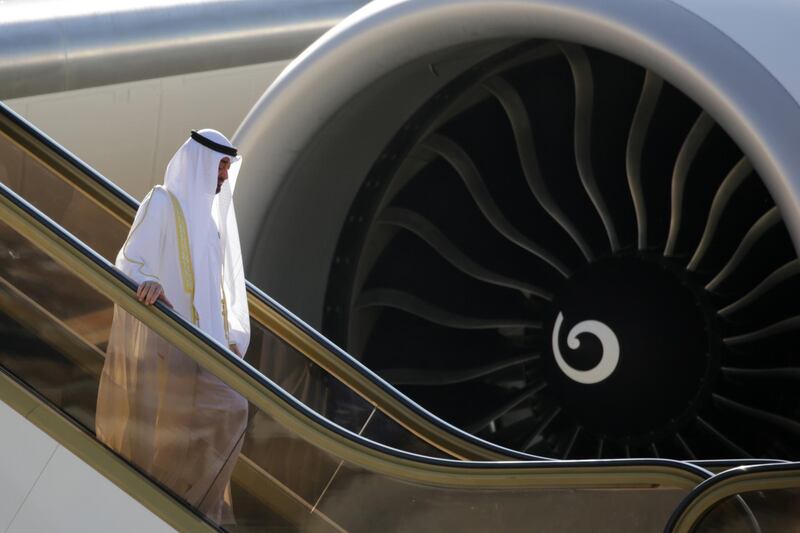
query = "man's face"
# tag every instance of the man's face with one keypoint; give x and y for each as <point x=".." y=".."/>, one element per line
<point x="222" y="174"/>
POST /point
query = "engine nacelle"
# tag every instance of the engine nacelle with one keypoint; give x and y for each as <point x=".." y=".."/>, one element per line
<point x="567" y="226"/>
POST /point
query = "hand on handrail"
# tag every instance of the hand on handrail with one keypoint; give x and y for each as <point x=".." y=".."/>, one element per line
<point x="151" y="291"/>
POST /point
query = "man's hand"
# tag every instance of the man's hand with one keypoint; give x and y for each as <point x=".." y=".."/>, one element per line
<point x="235" y="349"/>
<point x="150" y="291"/>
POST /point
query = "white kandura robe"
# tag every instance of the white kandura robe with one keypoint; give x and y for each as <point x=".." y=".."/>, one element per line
<point x="156" y="406"/>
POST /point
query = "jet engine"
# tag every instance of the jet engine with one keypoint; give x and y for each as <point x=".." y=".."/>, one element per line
<point x="568" y="226"/>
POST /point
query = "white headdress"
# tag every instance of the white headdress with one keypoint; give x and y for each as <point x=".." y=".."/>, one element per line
<point x="191" y="177"/>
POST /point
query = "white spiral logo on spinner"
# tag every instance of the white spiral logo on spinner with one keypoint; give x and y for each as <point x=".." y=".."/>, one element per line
<point x="608" y="340"/>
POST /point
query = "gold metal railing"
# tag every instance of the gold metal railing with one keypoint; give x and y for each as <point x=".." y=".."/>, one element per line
<point x="268" y="317"/>
<point x="54" y="332"/>
<point x="103" y="460"/>
<point x="313" y="429"/>
<point x="776" y="477"/>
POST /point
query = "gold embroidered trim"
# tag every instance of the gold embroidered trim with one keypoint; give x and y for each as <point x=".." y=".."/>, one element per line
<point x="224" y="305"/>
<point x="185" y="252"/>
<point x="225" y="315"/>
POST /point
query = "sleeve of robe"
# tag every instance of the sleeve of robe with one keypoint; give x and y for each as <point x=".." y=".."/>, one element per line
<point x="140" y="256"/>
<point x="234" y="285"/>
<point x="238" y="312"/>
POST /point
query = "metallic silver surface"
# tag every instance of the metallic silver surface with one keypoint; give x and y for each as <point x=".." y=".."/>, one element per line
<point x="427" y="231"/>
<point x="767" y="30"/>
<point x="691" y="146"/>
<point x="385" y="60"/>
<point x="48" y="46"/>
<point x="404" y="105"/>
<point x="418" y="307"/>
<point x="792" y="268"/>
<point x="767" y="221"/>
<point x="469" y="173"/>
<point x="723" y="195"/>
<point x="512" y="103"/>
<point x="584" y="100"/>
<point x="633" y="156"/>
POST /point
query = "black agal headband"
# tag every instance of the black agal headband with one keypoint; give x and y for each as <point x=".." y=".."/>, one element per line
<point x="208" y="143"/>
